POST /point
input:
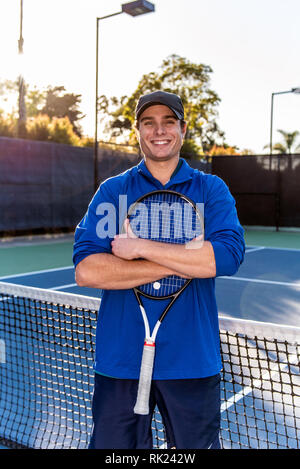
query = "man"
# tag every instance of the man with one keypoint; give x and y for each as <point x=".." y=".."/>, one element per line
<point x="186" y="379"/>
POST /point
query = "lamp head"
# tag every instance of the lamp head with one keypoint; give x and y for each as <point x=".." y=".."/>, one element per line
<point x="140" y="7"/>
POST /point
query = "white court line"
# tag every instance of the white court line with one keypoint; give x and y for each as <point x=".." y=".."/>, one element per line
<point x="60" y="287"/>
<point x="37" y="272"/>
<point x="254" y="249"/>
<point x="274" y="248"/>
<point x="269" y="282"/>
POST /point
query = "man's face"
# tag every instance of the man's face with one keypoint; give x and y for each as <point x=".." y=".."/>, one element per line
<point x="160" y="133"/>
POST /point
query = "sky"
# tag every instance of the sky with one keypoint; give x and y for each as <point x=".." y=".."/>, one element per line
<point x="253" y="47"/>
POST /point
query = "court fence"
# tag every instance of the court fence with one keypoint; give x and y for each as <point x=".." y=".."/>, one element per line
<point x="266" y="187"/>
<point x="46" y="187"/>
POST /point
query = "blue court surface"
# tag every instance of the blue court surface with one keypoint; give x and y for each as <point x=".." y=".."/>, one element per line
<point x="265" y="289"/>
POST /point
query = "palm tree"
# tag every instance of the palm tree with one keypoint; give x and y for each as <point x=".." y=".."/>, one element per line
<point x="289" y="140"/>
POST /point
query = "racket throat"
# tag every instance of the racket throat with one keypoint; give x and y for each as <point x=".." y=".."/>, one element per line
<point x="149" y="342"/>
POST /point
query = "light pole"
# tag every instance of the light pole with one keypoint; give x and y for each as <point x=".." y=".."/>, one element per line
<point x="293" y="90"/>
<point x="136" y="8"/>
<point x="22" y="107"/>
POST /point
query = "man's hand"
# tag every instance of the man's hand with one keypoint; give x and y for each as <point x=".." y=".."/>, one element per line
<point x="128" y="246"/>
<point x="125" y="245"/>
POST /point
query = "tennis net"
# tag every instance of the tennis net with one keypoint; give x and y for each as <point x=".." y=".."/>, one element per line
<point x="46" y="375"/>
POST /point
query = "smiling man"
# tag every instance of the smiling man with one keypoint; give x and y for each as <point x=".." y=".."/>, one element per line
<point x="160" y="131"/>
<point x="186" y="374"/>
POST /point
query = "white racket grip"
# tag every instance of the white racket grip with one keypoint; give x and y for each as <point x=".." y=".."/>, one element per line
<point x="142" y="403"/>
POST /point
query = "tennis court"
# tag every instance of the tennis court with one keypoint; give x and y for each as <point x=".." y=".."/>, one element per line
<point x="261" y="392"/>
<point x="266" y="287"/>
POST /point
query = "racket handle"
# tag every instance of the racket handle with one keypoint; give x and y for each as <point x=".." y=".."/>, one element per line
<point x="142" y="403"/>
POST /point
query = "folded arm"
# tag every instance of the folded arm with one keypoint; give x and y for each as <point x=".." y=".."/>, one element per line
<point x="195" y="260"/>
<point x="107" y="271"/>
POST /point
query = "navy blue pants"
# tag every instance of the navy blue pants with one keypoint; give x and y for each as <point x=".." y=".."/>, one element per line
<point x="190" y="410"/>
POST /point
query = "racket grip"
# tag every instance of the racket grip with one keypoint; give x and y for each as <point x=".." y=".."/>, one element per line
<point x="142" y="403"/>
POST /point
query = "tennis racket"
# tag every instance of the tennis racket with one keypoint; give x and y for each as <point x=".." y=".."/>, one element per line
<point x="168" y="217"/>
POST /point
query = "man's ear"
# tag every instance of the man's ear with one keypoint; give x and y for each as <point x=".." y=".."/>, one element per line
<point x="183" y="129"/>
<point x="137" y="133"/>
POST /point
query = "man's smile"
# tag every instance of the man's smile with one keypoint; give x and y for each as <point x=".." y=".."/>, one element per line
<point x="160" y="142"/>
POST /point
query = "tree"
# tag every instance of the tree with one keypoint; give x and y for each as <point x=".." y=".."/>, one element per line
<point x="61" y="104"/>
<point x="61" y="131"/>
<point x="37" y="128"/>
<point x="8" y="125"/>
<point x="52" y="101"/>
<point x="7" y="87"/>
<point x="223" y="150"/>
<point x="57" y="129"/>
<point x="191" y="82"/>
<point x="35" y="101"/>
<point x="287" y="146"/>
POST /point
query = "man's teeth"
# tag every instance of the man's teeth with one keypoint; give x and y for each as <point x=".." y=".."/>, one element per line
<point x="160" y="142"/>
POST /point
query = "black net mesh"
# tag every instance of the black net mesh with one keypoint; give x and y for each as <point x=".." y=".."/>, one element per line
<point x="46" y="375"/>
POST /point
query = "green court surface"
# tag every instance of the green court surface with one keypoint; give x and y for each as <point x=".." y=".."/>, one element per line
<point x="28" y="256"/>
<point x="274" y="239"/>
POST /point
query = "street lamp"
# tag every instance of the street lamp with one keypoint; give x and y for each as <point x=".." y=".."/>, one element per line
<point x="22" y="107"/>
<point x="136" y="8"/>
<point x="293" y="90"/>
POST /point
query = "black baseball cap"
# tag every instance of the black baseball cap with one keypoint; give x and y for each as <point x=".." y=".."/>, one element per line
<point x="160" y="97"/>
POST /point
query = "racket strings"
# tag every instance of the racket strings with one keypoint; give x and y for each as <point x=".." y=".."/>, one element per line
<point x="169" y="218"/>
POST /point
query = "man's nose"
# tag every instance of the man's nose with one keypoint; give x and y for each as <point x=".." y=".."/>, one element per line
<point x="160" y="129"/>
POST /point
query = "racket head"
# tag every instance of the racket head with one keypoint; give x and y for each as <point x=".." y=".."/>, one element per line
<point x="168" y="217"/>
